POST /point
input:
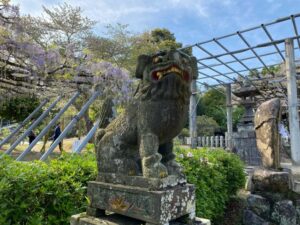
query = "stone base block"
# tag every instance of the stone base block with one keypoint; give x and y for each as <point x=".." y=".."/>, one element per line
<point x="114" y="219"/>
<point x="271" y="181"/>
<point x="155" y="207"/>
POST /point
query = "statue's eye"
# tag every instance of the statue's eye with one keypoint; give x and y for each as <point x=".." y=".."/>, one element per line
<point x="157" y="59"/>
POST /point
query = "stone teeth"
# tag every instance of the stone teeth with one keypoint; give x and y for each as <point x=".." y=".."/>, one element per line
<point x="173" y="69"/>
<point x="159" y="75"/>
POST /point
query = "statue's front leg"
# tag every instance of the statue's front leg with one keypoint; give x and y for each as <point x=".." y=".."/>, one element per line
<point x="168" y="159"/>
<point x="151" y="159"/>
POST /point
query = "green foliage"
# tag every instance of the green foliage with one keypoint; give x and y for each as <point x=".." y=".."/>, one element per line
<point x="184" y="133"/>
<point x="4" y="133"/>
<point x="18" y="108"/>
<point x="206" y="126"/>
<point x="37" y="193"/>
<point x="213" y="104"/>
<point x="272" y="70"/>
<point x="217" y="175"/>
<point x="90" y="147"/>
<point x="237" y="113"/>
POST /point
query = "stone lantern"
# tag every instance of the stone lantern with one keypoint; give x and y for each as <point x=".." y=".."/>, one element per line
<point x="247" y="94"/>
<point x="244" y="140"/>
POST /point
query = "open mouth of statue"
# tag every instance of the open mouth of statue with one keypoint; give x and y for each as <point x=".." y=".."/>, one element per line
<point x="159" y="74"/>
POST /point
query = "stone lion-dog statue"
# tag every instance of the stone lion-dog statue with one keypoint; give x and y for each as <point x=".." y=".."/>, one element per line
<point x="139" y="141"/>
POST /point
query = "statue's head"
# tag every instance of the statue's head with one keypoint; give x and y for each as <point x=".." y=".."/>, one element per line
<point x="166" y="75"/>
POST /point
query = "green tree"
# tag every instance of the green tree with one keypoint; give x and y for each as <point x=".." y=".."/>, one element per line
<point x="18" y="108"/>
<point x="273" y="70"/>
<point x="206" y="126"/>
<point x="122" y="47"/>
<point x="213" y="104"/>
<point x="115" y="47"/>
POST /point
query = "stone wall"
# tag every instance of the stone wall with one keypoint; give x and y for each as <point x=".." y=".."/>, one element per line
<point x="272" y="202"/>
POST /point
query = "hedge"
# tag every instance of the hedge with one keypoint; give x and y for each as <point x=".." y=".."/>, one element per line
<point x="37" y="193"/>
<point x="217" y="174"/>
<point x="49" y="193"/>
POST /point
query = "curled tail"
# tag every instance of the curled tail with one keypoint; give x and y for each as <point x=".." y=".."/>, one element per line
<point x="106" y="113"/>
<point x="99" y="134"/>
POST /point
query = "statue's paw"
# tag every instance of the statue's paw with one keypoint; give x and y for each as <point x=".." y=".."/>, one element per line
<point x="153" y="168"/>
<point x="175" y="168"/>
<point x="162" y="171"/>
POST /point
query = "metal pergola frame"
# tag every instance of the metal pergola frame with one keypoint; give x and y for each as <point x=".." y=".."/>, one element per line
<point x="220" y="77"/>
<point x="222" y="71"/>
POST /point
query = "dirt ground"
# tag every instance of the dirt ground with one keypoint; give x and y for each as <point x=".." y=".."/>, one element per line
<point x="35" y="154"/>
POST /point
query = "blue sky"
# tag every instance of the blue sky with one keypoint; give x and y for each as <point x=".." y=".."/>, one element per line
<point x="191" y="21"/>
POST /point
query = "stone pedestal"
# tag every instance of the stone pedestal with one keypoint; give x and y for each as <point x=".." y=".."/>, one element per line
<point x="155" y="207"/>
<point x="140" y="200"/>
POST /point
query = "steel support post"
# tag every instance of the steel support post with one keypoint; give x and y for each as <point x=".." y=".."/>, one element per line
<point x="229" y="116"/>
<point x="15" y="131"/>
<point x="88" y="137"/>
<point x="193" y="115"/>
<point x="45" y="130"/>
<point x="32" y="126"/>
<point x="292" y="100"/>
<point x="70" y="125"/>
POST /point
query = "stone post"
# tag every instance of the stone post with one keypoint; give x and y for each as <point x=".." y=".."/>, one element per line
<point x="203" y="141"/>
<point x="229" y="116"/>
<point x="212" y="139"/>
<point x="217" y="141"/>
<point x="207" y="142"/>
<point x="292" y="100"/>
<point x="199" y="142"/>
<point x="193" y="112"/>
<point x="222" y="142"/>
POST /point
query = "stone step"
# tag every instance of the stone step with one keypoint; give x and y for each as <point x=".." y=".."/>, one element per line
<point x="294" y="172"/>
<point x="114" y="219"/>
<point x="296" y="177"/>
<point x="203" y="221"/>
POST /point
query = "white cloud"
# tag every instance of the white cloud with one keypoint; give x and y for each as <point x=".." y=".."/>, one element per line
<point x="33" y="7"/>
<point x="108" y="11"/>
<point x="200" y="7"/>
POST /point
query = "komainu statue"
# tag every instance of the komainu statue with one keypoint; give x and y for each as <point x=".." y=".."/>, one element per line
<point x="139" y="141"/>
<point x="137" y="174"/>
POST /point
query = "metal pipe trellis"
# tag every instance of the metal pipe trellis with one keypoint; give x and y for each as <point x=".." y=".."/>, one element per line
<point x="22" y="124"/>
<point x="35" y="123"/>
<point x="70" y="125"/>
<point x="87" y="138"/>
<point x="45" y="130"/>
